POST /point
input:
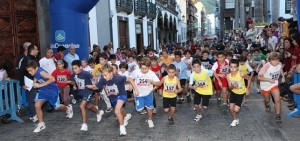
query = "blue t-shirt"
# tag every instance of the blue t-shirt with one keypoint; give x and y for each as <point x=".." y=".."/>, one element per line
<point x="50" y="89"/>
<point x="82" y="79"/>
<point x="113" y="87"/>
<point x="181" y="69"/>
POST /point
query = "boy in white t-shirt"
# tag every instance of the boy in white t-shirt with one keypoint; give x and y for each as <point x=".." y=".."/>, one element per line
<point x="145" y="79"/>
<point x="268" y="76"/>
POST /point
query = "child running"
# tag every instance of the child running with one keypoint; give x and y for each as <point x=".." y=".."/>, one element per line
<point x="62" y="76"/>
<point x="221" y="69"/>
<point x="246" y="69"/>
<point x="145" y="79"/>
<point x="171" y="88"/>
<point x="114" y="87"/>
<point x="200" y="83"/>
<point x="47" y="92"/>
<point x="83" y="78"/>
<point x="268" y="76"/>
<point x="237" y="86"/>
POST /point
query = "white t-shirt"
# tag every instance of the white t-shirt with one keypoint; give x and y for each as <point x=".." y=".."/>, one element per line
<point x="3" y="74"/>
<point x="47" y="64"/>
<point x="132" y="67"/>
<point x="140" y="80"/>
<point x="215" y="65"/>
<point x="88" y="69"/>
<point x="273" y="41"/>
<point x="117" y="63"/>
<point x="270" y="72"/>
<point x="188" y="62"/>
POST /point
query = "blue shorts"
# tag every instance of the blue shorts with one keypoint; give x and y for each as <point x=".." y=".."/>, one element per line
<point x="145" y="101"/>
<point x="88" y="97"/>
<point x="52" y="99"/>
<point x="115" y="100"/>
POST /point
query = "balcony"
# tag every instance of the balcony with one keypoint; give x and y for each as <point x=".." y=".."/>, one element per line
<point x="151" y="10"/>
<point x="124" y="6"/>
<point x="140" y="7"/>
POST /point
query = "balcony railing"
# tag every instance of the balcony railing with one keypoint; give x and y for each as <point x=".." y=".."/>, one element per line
<point x="124" y="5"/>
<point x="140" y="7"/>
<point x="151" y="10"/>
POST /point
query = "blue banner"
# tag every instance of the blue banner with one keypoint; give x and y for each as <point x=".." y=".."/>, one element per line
<point x="69" y="24"/>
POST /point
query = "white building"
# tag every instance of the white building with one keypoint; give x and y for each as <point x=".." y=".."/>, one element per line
<point x="124" y="23"/>
<point x="211" y="18"/>
<point x="182" y="26"/>
<point x="134" y="24"/>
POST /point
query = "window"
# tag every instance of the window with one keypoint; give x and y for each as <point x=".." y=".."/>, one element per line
<point x="288" y="6"/>
<point x="229" y="4"/>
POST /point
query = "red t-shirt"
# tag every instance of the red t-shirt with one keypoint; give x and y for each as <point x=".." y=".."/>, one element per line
<point x="157" y="71"/>
<point x="62" y="77"/>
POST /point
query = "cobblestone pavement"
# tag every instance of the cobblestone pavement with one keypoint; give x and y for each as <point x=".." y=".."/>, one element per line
<point x="255" y="125"/>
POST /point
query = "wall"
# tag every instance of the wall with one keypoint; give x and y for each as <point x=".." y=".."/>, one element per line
<point x="44" y="25"/>
<point x="103" y="23"/>
<point x="282" y="10"/>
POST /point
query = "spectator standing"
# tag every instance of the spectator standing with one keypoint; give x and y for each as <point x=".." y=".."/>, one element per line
<point x="60" y="53"/>
<point x="71" y="56"/>
<point x="47" y="62"/>
<point x="251" y="33"/>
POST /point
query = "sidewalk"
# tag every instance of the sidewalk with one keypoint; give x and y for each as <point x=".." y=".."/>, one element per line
<point x="255" y="125"/>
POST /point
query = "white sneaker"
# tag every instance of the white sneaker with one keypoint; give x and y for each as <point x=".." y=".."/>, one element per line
<point x="99" y="116"/>
<point x="198" y="117"/>
<point x="34" y="118"/>
<point x="127" y="118"/>
<point x="84" y="127"/>
<point x="144" y="112"/>
<point x="122" y="130"/>
<point x="41" y="126"/>
<point x="234" y="123"/>
<point x="154" y="111"/>
<point x="108" y="110"/>
<point x="69" y="111"/>
<point x="97" y="107"/>
<point x="150" y="123"/>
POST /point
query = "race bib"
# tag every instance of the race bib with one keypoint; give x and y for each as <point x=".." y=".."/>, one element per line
<point x="169" y="87"/>
<point x="275" y="75"/>
<point x="205" y="64"/>
<point x="201" y="83"/>
<point x="224" y="69"/>
<point x="112" y="90"/>
<point x="61" y="78"/>
<point x="80" y="83"/>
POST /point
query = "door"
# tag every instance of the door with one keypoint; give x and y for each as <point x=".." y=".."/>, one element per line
<point x="123" y="33"/>
<point x="139" y="42"/>
<point x="18" y="24"/>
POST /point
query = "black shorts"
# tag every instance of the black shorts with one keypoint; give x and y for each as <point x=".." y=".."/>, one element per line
<point x="182" y="82"/>
<point x="246" y="82"/>
<point x="169" y="102"/>
<point x="198" y="97"/>
<point x="237" y="99"/>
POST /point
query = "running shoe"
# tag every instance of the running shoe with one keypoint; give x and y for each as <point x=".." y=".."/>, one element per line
<point x="198" y="117"/>
<point x="41" y="126"/>
<point x="69" y="111"/>
<point x="150" y="123"/>
<point x="171" y="121"/>
<point x="127" y="118"/>
<point x="34" y="118"/>
<point x="84" y="127"/>
<point x="99" y="115"/>
<point x="278" y="119"/>
<point x="122" y="131"/>
<point x="234" y="123"/>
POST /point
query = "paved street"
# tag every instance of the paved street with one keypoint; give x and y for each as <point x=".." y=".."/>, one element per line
<point x="255" y="125"/>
